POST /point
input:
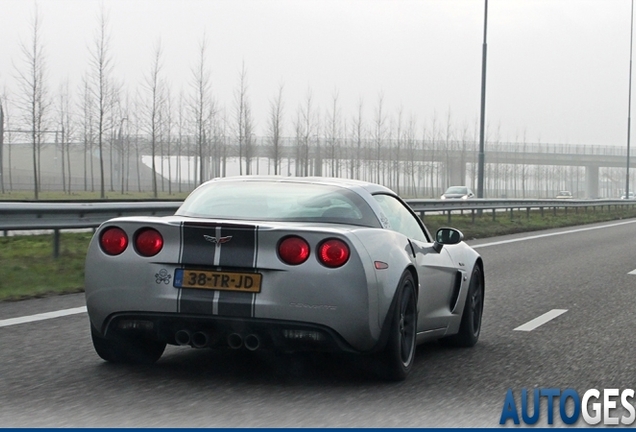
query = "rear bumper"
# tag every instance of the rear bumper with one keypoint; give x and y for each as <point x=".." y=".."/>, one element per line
<point x="218" y="332"/>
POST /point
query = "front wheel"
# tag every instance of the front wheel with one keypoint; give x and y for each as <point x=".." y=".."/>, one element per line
<point x="470" y="326"/>
<point x="399" y="354"/>
<point x="135" y="350"/>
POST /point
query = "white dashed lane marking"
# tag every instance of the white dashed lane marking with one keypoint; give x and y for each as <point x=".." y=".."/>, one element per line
<point x="42" y="316"/>
<point x="539" y="321"/>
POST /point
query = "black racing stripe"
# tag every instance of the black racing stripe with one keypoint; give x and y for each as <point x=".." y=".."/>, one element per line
<point x="196" y="301"/>
<point x="196" y="249"/>
<point x="240" y="250"/>
<point x="235" y="304"/>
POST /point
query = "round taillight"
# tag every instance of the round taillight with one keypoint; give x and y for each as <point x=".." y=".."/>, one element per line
<point x="113" y="240"/>
<point x="333" y="253"/>
<point x="148" y="242"/>
<point x="293" y="250"/>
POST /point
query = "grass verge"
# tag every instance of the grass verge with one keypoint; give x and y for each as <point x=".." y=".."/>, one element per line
<point x="27" y="267"/>
<point x="521" y="221"/>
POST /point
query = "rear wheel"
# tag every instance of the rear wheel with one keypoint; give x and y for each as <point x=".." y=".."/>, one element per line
<point x="399" y="354"/>
<point x="131" y="350"/>
<point x="470" y="326"/>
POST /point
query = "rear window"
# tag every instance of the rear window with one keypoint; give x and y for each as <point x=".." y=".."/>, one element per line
<point x="278" y="201"/>
<point x="456" y="190"/>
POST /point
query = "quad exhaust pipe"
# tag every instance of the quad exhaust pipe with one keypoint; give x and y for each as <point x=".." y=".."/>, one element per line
<point x="183" y="337"/>
<point x="252" y="342"/>
<point x="235" y="340"/>
<point x="200" y="339"/>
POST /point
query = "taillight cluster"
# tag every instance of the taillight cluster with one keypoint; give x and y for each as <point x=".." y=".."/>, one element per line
<point x="294" y="250"/>
<point x="147" y="241"/>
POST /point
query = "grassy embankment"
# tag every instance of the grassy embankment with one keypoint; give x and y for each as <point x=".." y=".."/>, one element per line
<point x="27" y="268"/>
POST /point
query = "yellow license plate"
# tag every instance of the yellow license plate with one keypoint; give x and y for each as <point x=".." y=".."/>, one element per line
<point x="216" y="280"/>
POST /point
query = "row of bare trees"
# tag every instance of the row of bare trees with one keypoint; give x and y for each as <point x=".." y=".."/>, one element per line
<point x="103" y="131"/>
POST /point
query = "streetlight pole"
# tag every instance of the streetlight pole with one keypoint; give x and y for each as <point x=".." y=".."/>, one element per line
<point x="629" y="103"/>
<point x="482" y="155"/>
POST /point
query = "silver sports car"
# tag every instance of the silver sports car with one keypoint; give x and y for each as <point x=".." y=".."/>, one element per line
<point x="289" y="264"/>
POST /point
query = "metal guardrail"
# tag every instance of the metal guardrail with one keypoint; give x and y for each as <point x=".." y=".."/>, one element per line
<point x="27" y="216"/>
<point x="21" y="216"/>
<point x="476" y="206"/>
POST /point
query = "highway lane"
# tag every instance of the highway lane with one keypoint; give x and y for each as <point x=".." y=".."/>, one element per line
<point x="50" y="376"/>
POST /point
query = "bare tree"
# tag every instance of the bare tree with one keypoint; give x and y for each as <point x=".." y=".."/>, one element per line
<point x="379" y="130"/>
<point x="166" y="147"/>
<point x="155" y="100"/>
<point x="241" y="106"/>
<point x="101" y="66"/>
<point x="66" y="134"/>
<point x="397" y="170"/>
<point x="358" y="136"/>
<point x="275" y="127"/>
<point x="248" y="136"/>
<point x="2" y="123"/>
<point x="307" y="127"/>
<point x="333" y="129"/>
<point x="1" y="146"/>
<point x="87" y="125"/>
<point x="181" y="125"/>
<point x="202" y="106"/>
<point x="34" y="94"/>
<point x="7" y="136"/>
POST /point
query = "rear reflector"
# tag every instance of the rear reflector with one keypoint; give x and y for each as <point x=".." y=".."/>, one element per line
<point x="303" y="335"/>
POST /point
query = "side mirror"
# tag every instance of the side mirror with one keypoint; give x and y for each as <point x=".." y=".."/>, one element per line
<point x="448" y="236"/>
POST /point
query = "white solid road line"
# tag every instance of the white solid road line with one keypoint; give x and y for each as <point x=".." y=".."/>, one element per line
<point x="42" y="316"/>
<point x="548" y="316"/>
<point x="529" y="326"/>
<point x="551" y="234"/>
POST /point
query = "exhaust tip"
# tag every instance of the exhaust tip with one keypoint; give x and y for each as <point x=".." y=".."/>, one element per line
<point x="182" y="337"/>
<point x="252" y="342"/>
<point x="200" y="339"/>
<point x="235" y="341"/>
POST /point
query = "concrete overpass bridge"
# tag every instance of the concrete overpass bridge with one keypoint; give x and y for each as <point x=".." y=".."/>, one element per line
<point x="452" y="157"/>
<point x="456" y="155"/>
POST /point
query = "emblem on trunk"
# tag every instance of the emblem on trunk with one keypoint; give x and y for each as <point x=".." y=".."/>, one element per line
<point x="217" y="240"/>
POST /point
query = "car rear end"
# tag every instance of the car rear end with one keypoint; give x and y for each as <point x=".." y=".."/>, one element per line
<point x="216" y="283"/>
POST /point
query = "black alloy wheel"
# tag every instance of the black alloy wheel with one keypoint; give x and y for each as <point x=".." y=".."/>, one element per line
<point x="399" y="355"/>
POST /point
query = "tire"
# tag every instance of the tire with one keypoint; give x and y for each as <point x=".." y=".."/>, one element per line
<point x="399" y="355"/>
<point x="127" y="350"/>
<point x="470" y="326"/>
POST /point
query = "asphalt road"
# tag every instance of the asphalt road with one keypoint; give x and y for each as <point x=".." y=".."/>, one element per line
<point x="50" y="375"/>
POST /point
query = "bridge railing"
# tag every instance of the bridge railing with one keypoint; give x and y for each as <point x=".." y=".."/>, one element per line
<point x="54" y="216"/>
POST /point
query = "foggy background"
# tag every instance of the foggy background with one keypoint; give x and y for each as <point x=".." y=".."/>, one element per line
<point x="386" y="91"/>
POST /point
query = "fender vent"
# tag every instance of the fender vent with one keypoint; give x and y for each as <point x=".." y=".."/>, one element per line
<point x="456" y="288"/>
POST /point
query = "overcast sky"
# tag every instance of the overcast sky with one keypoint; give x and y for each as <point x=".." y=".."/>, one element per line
<point x="558" y="70"/>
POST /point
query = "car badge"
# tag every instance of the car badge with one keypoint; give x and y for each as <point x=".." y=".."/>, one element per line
<point x="217" y="240"/>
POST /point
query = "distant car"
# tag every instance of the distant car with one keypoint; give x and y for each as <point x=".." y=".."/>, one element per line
<point x="564" y="195"/>
<point x="458" y="192"/>
<point x="309" y="264"/>
<point x="631" y="196"/>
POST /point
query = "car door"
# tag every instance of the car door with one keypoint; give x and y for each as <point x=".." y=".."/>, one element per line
<point x="436" y="271"/>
